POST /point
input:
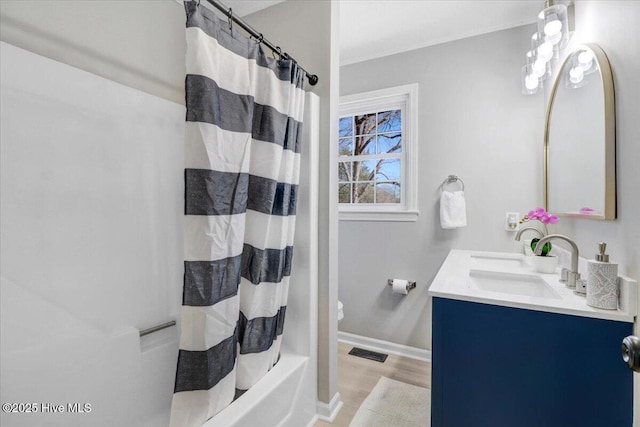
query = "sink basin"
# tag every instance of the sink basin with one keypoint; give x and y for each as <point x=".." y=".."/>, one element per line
<point x="511" y="283"/>
<point x="497" y="262"/>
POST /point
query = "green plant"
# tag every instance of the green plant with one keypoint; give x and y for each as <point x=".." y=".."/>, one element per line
<point x="545" y="249"/>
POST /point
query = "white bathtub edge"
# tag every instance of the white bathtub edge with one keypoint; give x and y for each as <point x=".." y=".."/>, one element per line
<point x="236" y="414"/>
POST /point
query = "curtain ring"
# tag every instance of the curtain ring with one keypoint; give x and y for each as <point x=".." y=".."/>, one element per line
<point x="279" y="52"/>
<point x="230" y="15"/>
<point x="258" y="39"/>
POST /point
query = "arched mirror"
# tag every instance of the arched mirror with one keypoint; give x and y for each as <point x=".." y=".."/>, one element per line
<point x="580" y="176"/>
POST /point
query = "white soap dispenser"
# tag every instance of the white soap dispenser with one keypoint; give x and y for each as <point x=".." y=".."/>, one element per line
<point x="602" y="281"/>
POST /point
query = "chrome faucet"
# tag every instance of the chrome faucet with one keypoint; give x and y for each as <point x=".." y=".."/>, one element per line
<point x="573" y="275"/>
<point x="522" y="230"/>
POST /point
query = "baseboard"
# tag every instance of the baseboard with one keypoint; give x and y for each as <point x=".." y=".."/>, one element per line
<point x="385" y="346"/>
<point x="328" y="411"/>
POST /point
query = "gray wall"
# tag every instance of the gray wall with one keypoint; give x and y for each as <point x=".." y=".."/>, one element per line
<point x="473" y="122"/>
<point x="311" y="38"/>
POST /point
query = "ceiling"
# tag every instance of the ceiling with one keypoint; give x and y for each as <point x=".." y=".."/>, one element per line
<point x="375" y="28"/>
<point x="246" y="7"/>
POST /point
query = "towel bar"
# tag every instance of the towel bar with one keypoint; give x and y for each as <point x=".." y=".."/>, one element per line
<point x="450" y="180"/>
<point x="157" y="328"/>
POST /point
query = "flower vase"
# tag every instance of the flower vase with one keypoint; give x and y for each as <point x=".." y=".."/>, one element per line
<point x="545" y="264"/>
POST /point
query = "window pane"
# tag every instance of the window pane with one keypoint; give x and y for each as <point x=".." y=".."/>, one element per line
<point x="364" y="170"/>
<point x="345" y="171"/>
<point x="365" y="124"/>
<point x="344" y="193"/>
<point x="363" y="193"/>
<point x="346" y="126"/>
<point x="390" y="143"/>
<point x="388" y="170"/>
<point x="388" y="192"/>
<point x="346" y="147"/>
<point x="365" y="145"/>
<point x="390" y="121"/>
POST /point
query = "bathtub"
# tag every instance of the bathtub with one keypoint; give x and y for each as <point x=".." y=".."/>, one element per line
<point x="274" y="401"/>
<point x="79" y="280"/>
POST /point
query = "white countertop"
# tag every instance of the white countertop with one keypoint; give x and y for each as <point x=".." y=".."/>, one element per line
<point x="453" y="282"/>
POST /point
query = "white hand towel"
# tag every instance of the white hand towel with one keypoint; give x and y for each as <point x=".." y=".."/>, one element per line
<point x="453" y="209"/>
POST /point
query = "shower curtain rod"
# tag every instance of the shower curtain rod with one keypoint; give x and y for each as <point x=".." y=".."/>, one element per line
<point x="313" y="79"/>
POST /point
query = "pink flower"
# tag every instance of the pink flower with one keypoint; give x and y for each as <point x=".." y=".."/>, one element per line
<point x="536" y="213"/>
<point x="540" y="214"/>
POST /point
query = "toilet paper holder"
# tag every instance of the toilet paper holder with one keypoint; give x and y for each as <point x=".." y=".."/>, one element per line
<point x="410" y="285"/>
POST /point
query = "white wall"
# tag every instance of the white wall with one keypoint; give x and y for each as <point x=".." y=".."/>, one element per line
<point x="91" y="253"/>
<point x="137" y="43"/>
<point x="473" y="122"/>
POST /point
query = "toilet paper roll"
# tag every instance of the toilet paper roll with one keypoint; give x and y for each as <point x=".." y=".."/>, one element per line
<point x="400" y="286"/>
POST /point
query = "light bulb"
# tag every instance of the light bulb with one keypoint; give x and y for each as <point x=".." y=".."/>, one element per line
<point x="545" y="51"/>
<point x="531" y="81"/>
<point x="554" y="26"/>
<point x="539" y="67"/>
<point x="576" y="74"/>
<point x="585" y="59"/>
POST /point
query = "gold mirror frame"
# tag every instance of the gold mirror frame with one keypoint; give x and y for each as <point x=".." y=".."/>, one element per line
<point x="609" y="137"/>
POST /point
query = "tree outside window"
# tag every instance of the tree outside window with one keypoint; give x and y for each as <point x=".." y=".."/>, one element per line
<point x="370" y="166"/>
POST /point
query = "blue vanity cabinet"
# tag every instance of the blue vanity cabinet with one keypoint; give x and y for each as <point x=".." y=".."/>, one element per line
<point x="495" y="366"/>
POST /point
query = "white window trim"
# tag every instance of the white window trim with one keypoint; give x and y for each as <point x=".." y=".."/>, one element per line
<point x="365" y="103"/>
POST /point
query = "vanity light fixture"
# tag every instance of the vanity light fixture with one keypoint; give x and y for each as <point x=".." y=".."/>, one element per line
<point x="531" y="82"/>
<point x="552" y="35"/>
<point x="553" y="24"/>
<point x="540" y="67"/>
<point x="586" y="61"/>
<point x="545" y="49"/>
<point x="581" y="63"/>
<point x="576" y="75"/>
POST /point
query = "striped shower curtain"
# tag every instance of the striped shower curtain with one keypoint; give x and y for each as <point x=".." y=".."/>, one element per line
<point x="242" y="162"/>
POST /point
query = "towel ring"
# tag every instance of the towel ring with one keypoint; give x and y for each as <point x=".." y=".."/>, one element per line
<point x="450" y="180"/>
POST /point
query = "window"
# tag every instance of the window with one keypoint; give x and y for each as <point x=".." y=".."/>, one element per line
<point x="377" y="153"/>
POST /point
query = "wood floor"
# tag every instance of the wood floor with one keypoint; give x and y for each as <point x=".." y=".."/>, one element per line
<point x="358" y="376"/>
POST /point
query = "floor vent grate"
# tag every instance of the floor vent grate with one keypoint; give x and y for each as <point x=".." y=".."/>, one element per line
<point x="368" y="354"/>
